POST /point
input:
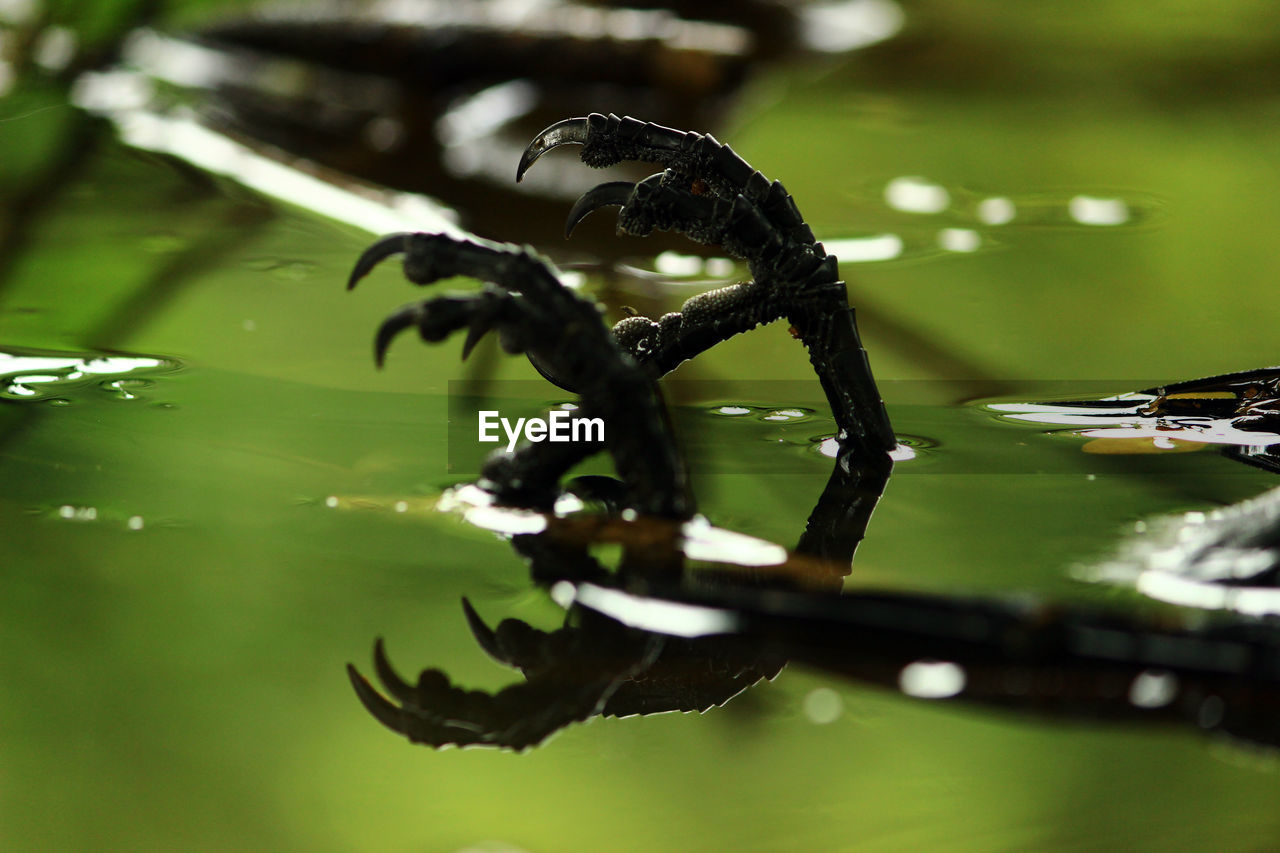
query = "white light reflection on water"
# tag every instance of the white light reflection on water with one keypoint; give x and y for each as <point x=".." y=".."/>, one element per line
<point x="127" y="99"/>
<point x="673" y="618"/>
<point x="481" y="114"/>
<point x="477" y="508"/>
<point x="959" y="239"/>
<point x="1124" y="418"/>
<point x="18" y="12"/>
<point x="676" y="264"/>
<point x="823" y="706"/>
<point x="1091" y="210"/>
<point x="830" y="448"/>
<point x="916" y="195"/>
<point x="702" y="541"/>
<point x="54" y="48"/>
<point x="997" y="210"/>
<point x="926" y="679"/>
<point x="1153" y="689"/>
<point x="20" y="374"/>
<point x="848" y="25"/>
<point x="854" y="250"/>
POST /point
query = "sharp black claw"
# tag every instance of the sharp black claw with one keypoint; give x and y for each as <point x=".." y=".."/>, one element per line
<point x="396" y="686"/>
<point x="392" y="244"/>
<point x="484" y="635"/>
<point x="571" y="131"/>
<point x="614" y="193"/>
<point x="475" y="332"/>
<point x="405" y="318"/>
<point x="375" y="703"/>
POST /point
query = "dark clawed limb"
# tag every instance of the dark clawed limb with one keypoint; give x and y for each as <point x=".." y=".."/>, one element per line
<point x="710" y="194"/>
<point x="534" y="313"/>
<point x="714" y="197"/>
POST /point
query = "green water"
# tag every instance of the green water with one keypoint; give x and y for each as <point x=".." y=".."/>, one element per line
<point x="177" y="599"/>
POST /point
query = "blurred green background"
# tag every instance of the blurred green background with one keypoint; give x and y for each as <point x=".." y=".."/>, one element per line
<point x="177" y="600"/>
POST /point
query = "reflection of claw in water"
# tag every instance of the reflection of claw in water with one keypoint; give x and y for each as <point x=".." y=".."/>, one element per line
<point x="654" y="635"/>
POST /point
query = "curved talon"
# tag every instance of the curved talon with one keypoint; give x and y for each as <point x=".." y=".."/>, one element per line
<point x="474" y="334"/>
<point x="392" y="244"/>
<point x="375" y="703"/>
<point x="611" y="194"/>
<point x="396" y="686"/>
<point x="570" y="131"/>
<point x="484" y="635"/>
<point x="407" y="317"/>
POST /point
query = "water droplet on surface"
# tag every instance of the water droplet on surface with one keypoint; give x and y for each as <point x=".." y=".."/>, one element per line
<point x="731" y="411"/>
<point x="135" y="522"/>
